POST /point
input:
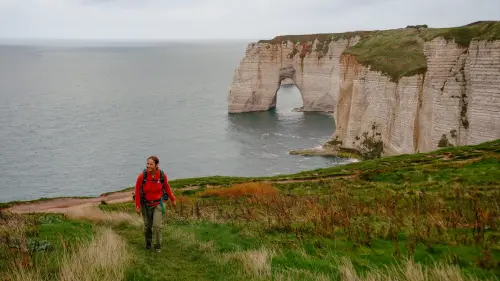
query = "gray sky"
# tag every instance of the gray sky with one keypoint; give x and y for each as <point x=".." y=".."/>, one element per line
<point x="249" y="19"/>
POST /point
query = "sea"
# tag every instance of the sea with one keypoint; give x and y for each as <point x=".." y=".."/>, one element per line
<point x="80" y="118"/>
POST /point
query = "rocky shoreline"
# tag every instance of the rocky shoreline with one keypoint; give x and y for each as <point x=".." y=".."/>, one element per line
<point x="328" y="151"/>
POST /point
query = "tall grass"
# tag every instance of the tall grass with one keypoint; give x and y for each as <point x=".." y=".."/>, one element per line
<point x="255" y="262"/>
<point x="292" y="274"/>
<point x="408" y="270"/>
<point x="410" y="222"/>
<point x="94" y="214"/>
<point x="21" y="273"/>
<point x="14" y="229"/>
<point x="459" y="215"/>
<point x="105" y="258"/>
<point x="189" y="240"/>
<point x="102" y="258"/>
<point x="14" y="252"/>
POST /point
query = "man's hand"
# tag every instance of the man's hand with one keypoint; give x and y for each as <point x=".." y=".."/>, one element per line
<point x="138" y="210"/>
<point x="174" y="204"/>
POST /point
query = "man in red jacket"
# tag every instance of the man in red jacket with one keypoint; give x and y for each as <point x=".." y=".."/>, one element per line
<point x="151" y="206"/>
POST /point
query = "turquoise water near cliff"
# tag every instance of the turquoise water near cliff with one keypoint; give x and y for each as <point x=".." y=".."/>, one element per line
<point x="81" y="120"/>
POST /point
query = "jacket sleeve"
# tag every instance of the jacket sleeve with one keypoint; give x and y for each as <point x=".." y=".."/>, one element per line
<point x="138" y="184"/>
<point x="168" y="190"/>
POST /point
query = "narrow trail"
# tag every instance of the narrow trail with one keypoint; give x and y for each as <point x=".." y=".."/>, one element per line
<point x="63" y="205"/>
<point x="182" y="258"/>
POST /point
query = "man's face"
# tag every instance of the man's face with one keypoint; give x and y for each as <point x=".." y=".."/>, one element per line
<point x="150" y="165"/>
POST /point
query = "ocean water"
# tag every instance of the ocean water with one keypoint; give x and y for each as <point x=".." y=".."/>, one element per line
<point x="80" y="120"/>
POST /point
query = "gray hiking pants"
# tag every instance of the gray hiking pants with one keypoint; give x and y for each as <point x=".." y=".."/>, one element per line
<point x="153" y="223"/>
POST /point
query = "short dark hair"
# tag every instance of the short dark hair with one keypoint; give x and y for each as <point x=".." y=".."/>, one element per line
<point x="154" y="158"/>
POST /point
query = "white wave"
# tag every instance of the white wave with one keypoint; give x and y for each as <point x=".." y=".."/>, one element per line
<point x="286" y="136"/>
<point x="318" y="148"/>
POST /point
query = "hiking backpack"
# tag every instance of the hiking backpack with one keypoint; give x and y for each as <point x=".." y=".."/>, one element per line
<point x="144" y="179"/>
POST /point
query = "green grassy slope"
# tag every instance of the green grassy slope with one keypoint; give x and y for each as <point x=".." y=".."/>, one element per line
<point x="441" y="206"/>
<point x="436" y="207"/>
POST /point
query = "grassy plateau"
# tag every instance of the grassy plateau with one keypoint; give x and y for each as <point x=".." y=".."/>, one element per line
<point x="397" y="52"/>
<point x="426" y="216"/>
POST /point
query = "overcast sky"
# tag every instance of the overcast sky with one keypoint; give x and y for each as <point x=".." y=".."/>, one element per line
<point x="250" y="19"/>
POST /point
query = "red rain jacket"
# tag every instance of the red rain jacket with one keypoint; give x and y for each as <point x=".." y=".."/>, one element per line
<point x="152" y="188"/>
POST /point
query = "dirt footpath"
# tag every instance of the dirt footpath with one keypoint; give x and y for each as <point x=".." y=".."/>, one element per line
<point x="61" y="205"/>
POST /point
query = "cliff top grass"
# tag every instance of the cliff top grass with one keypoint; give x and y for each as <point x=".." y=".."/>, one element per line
<point x="399" y="52"/>
<point x="429" y="207"/>
<point x="437" y="207"/>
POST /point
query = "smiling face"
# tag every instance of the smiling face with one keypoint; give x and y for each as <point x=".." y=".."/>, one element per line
<point x="151" y="165"/>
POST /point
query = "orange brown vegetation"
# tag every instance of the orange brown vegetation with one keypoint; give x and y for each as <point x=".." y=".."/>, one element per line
<point x="183" y="199"/>
<point x="241" y="190"/>
<point x="14" y="229"/>
<point x="460" y="216"/>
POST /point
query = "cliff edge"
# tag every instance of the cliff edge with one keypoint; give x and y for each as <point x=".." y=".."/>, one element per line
<point x="392" y="92"/>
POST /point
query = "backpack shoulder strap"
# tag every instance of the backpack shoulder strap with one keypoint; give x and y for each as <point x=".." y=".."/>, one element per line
<point x="144" y="177"/>
<point x="162" y="180"/>
<point x="162" y="176"/>
<point x="141" y="191"/>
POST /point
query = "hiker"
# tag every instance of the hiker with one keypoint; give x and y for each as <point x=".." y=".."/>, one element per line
<point x="149" y="195"/>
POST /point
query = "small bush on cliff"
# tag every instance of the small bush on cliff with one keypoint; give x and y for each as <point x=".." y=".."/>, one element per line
<point x="372" y="146"/>
<point x="443" y="142"/>
<point x="453" y="133"/>
<point x="293" y="52"/>
<point x="335" y="141"/>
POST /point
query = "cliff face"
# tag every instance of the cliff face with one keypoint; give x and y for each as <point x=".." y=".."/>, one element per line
<point x="456" y="101"/>
<point x="265" y="65"/>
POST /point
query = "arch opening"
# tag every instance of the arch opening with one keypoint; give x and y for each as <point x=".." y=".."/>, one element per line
<point x="288" y="97"/>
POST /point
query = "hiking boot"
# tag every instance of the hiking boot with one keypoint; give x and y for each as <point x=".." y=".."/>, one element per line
<point x="157" y="248"/>
<point x="148" y="244"/>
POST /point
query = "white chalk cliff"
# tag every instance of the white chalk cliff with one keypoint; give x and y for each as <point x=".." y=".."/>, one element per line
<point x="455" y="102"/>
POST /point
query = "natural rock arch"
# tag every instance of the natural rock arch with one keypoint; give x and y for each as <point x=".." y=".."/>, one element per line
<point x="258" y="78"/>
<point x="287" y="72"/>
